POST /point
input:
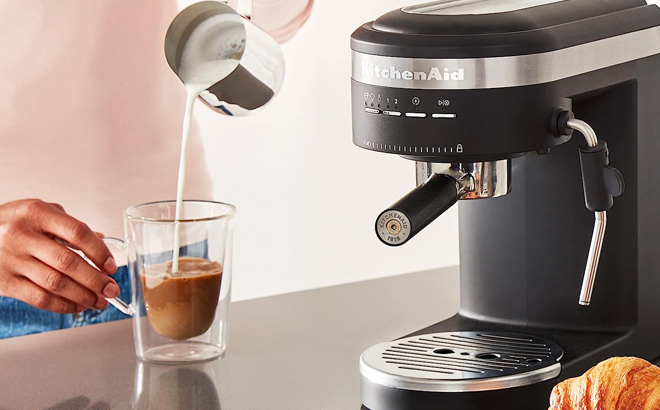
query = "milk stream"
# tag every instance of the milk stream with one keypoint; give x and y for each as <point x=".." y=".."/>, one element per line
<point x="191" y="94"/>
<point x="210" y="54"/>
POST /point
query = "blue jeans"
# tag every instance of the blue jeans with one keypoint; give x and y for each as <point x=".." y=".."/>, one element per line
<point x="18" y="318"/>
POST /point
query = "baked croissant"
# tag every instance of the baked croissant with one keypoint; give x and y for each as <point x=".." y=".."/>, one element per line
<point x="619" y="383"/>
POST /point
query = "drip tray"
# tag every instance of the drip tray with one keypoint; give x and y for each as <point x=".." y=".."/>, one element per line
<point x="461" y="362"/>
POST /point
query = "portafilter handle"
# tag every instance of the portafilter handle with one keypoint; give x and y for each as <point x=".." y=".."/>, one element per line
<point x="421" y="206"/>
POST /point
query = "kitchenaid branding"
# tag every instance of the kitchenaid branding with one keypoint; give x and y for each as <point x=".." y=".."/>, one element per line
<point x="393" y="215"/>
<point x="434" y="73"/>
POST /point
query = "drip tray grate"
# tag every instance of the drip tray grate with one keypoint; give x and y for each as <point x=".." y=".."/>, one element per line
<point x="461" y="361"/>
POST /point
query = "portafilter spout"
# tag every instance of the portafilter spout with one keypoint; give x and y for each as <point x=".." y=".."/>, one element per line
<point x="440" y="186"/>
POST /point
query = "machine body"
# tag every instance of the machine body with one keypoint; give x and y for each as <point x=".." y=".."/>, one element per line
<point x="459" y="86"/>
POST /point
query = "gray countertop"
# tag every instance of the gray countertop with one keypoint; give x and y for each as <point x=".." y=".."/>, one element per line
<point x="289" y="352"/>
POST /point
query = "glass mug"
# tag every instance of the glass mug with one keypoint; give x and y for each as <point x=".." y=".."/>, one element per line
<point x="182" y="316"/>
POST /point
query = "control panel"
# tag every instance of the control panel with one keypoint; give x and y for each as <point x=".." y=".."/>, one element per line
<point x="454" y="125"/>
<point x="392" y="107"/>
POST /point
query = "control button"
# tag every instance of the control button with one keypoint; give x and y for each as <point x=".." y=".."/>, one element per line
<point x="444" y="115"/>
<point x="416" y="114"/>
<point x="372" y="110"/>
<point x="392" y="113"/>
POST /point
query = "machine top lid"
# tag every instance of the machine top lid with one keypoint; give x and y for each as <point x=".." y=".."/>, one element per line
<point x="483" y="17"/>
<point x="473" y="7"/>
<point x="497" y="28"/>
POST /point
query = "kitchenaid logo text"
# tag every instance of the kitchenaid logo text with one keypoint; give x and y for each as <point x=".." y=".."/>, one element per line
<point x="371" y="70"/>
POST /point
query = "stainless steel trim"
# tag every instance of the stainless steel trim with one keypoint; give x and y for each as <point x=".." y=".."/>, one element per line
<point x="442" y="367"/>
<point x="443" y="115"/>
<point x="415" y="115"/>
<point x="500" y="72"/>
<point x="478" y="179"/>
<point x="462" y="7"/>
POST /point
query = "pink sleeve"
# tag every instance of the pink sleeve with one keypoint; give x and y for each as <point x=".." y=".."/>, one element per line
<point x="280" y="18"/>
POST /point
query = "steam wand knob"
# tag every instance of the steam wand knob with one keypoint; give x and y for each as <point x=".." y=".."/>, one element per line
<point x="601" y="183"/>
<point x="421" y="206"/>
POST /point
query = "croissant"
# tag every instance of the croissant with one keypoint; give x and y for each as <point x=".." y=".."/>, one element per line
<point x="619" y="383"/>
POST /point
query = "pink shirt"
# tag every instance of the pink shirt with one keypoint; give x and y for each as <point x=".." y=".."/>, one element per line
<point x="280" y="18"/>
<point x="90" y="112"/>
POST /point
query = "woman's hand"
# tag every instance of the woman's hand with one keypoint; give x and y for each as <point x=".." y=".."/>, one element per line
<point x="37" y="268"/>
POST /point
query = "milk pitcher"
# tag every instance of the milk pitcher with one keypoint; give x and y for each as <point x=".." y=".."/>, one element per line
<point x="246" y="64"/>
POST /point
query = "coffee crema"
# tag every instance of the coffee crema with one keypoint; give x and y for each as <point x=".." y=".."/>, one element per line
<point x="181" y="305"/>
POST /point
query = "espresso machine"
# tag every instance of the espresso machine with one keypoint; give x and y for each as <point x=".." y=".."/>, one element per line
<point x="542" y="119"/>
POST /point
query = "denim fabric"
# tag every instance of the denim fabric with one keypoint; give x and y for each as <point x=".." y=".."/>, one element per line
<point x="18" y="318"/>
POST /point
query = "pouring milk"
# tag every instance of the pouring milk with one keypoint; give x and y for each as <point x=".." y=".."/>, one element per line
<point x="211" y="53"/>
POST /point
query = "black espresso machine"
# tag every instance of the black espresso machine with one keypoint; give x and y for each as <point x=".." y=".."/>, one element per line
<point x="533" y="113"/>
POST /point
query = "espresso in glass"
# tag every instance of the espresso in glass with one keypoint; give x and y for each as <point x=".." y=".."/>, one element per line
<point x="182" y="305"/>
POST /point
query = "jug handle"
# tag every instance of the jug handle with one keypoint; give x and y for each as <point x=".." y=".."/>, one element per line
<point x="125" y="308"/>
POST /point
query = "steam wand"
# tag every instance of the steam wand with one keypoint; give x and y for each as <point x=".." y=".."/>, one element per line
<point x="601" y="183"/>
<point x="599" y="226"/>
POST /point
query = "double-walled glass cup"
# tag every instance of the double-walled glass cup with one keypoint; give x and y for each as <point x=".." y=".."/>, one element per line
<point x="178" y="316"/>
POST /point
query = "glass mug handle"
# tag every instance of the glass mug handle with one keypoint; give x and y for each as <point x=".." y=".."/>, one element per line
<point x="125" y="308"/>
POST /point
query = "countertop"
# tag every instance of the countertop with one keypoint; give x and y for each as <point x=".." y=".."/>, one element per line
<point x="289" y="352"/>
